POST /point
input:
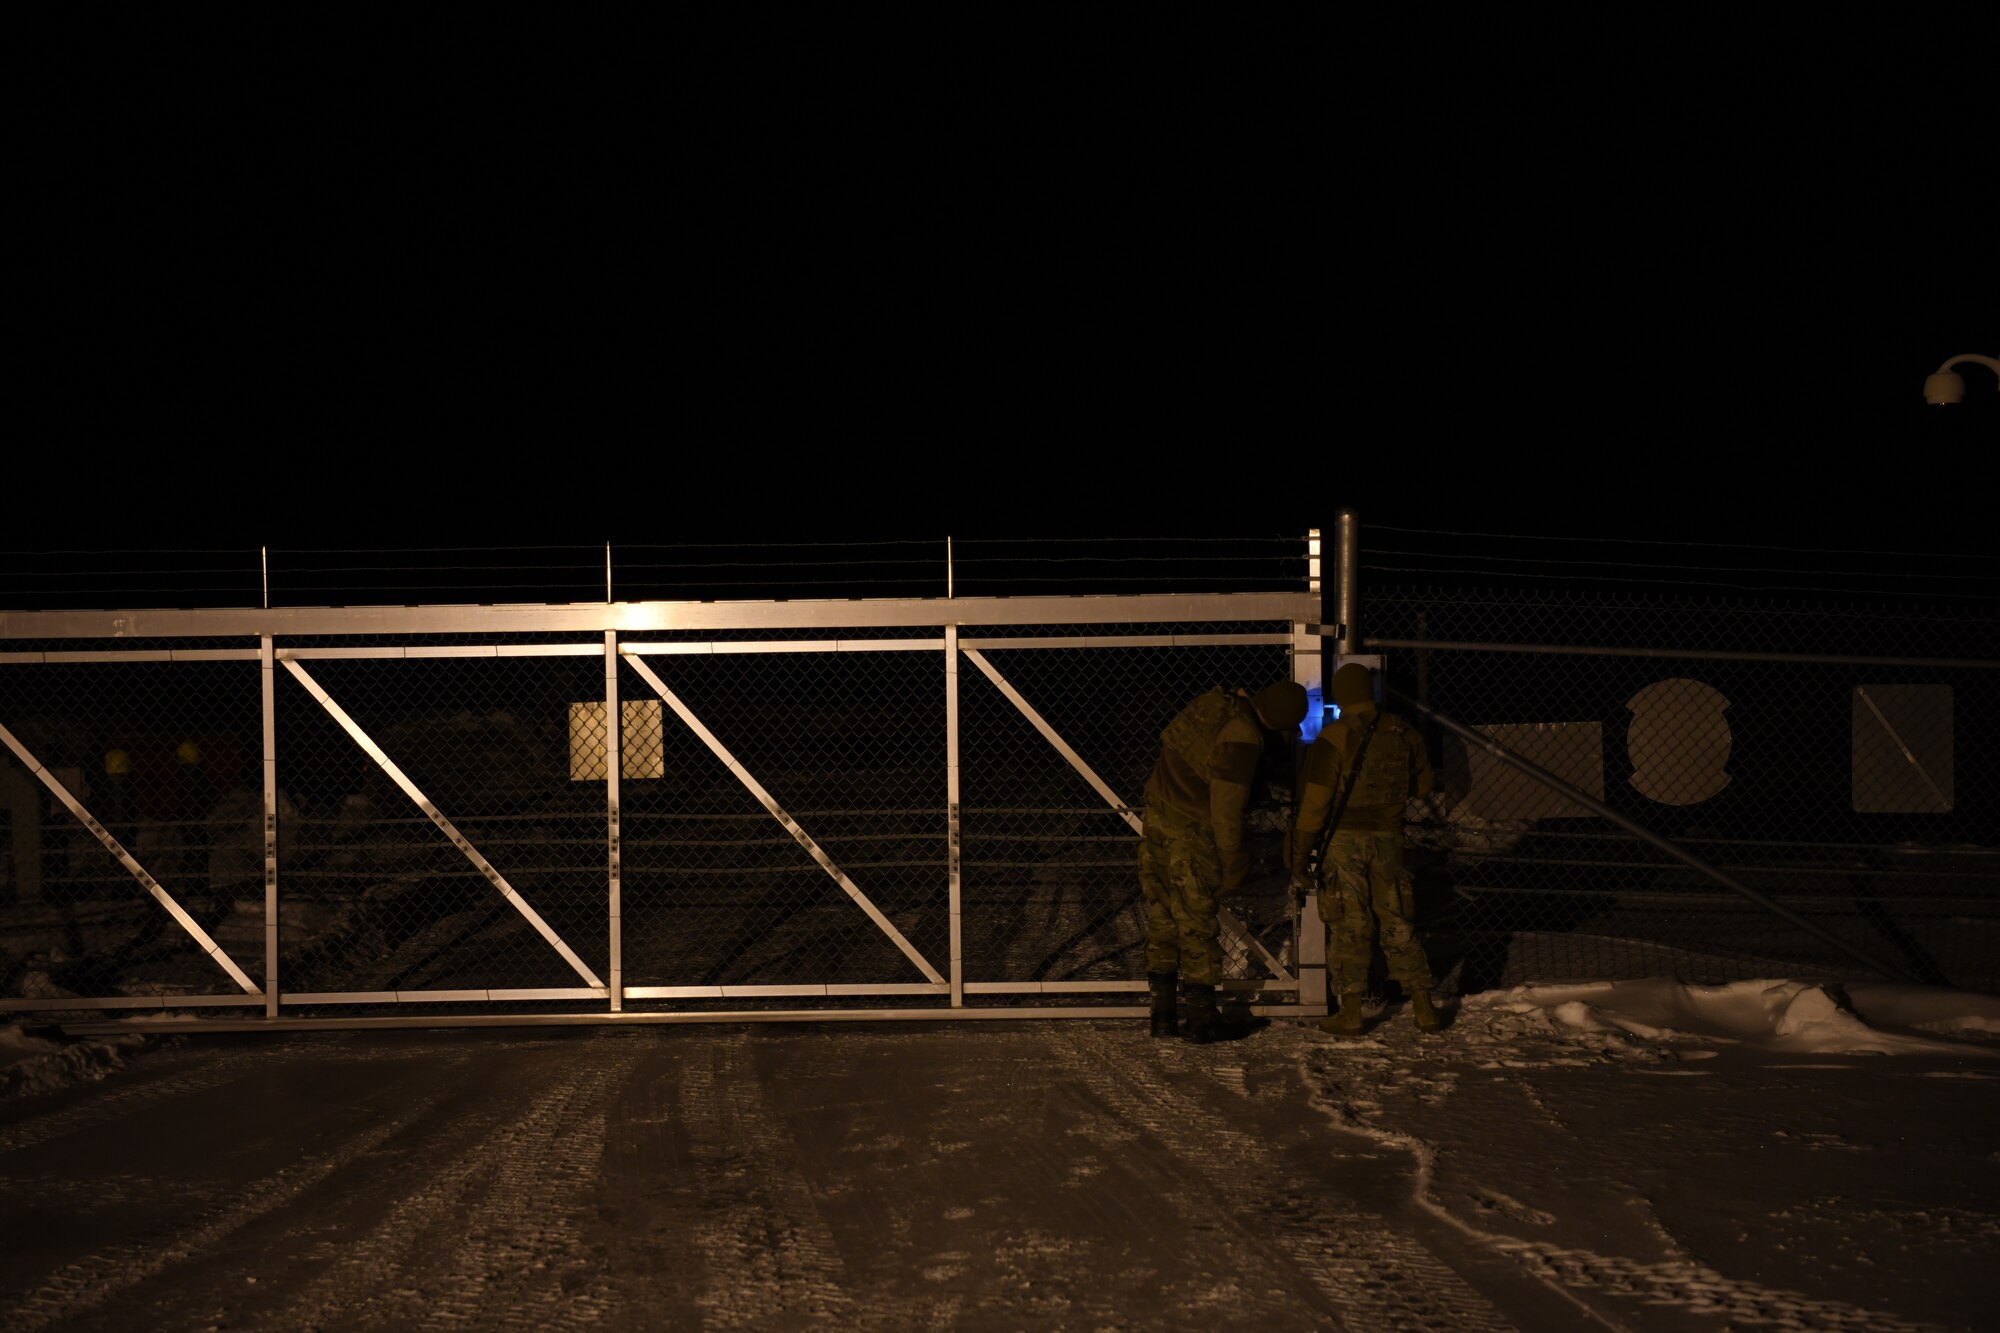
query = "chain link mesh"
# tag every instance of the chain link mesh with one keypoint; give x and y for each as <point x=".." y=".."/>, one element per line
<point x="1834" y="788"/>
<point x="850" y="746"/>
<point x="377" y="896"/>
<point x="1051" y="882"/>
<point x="166" y="758"/>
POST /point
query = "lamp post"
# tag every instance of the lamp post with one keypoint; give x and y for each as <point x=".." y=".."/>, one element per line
<point x="1948" y="386"/>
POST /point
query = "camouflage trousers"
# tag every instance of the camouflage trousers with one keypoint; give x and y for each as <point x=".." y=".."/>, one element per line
<point x="1180" y="872"/>
<point x="1364" y="888"/>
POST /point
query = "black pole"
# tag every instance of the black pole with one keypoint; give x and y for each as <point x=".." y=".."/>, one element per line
<point x="1597" y="807"/>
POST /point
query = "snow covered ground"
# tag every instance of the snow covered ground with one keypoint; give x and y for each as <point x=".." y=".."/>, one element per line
<point x="38" y="1059"/>
<point x="1629" y="1155"/>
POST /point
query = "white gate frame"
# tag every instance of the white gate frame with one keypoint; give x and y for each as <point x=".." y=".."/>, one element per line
<point x="295" y="627"/>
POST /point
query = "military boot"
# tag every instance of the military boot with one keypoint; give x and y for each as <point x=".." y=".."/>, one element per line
<point x="1420" y="1009"/>
<point x="1165" y="1023"/>
<point x="1346" y="1021"/>
<point x="1206" y="1023"/>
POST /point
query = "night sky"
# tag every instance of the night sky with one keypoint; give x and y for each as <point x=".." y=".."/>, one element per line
<point x="508" y="306"/>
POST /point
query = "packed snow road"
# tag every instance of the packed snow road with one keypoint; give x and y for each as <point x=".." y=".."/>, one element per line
<point x="1061" y="1175"/>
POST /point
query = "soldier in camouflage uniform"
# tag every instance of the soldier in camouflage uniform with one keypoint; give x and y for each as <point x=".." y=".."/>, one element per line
<point x="1192" y="852"/>
<point x="1363" y="884"/>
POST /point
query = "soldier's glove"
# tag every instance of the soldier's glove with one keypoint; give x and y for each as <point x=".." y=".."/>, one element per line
<point x="1301" y="887"/>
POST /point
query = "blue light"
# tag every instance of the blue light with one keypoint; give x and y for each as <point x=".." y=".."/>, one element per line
<point x="1315" y="715"/>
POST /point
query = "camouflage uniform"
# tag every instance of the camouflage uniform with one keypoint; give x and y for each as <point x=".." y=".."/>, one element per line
<point x="1192" y="852"/>
<point x="1363" y="883"/>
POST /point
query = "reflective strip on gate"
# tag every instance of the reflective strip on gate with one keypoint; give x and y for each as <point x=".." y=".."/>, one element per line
<point x="450" y="831"/>
<point x="778" y="813"/>
<point x="1228" y="921"/>
<point x="125" y="858"/>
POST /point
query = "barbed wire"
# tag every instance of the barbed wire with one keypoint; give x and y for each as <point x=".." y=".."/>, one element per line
<point x="763" y="546"/>
<point x="1675" y="583"/>
<point x="140" y="550"/>
<point x="1666" y="541"/>
<point x="1643" y="564"/>
<point x="782" y="564"/>
<point x="74" y="592"/>
<point x="442" y="569"/>
<point x="1631" y="598"/>
<point x="980" y="564"/>
<point x="1121" y="559"/>
<point x="1052" y="541"/>
<point x="124" y="573"/>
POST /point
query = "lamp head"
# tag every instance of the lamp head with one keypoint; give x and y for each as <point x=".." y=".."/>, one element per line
<point x="1947" y="386"/>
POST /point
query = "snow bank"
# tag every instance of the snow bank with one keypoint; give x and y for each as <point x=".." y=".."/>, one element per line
<point x="30" y="1064"/>
<point x="1788" y="1016"/>
<point x="1927" y="1008"/>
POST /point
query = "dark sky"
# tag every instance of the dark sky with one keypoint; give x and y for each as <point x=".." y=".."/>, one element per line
<point x="505" y="304"/>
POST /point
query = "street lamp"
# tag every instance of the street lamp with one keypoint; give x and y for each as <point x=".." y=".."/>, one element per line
<point x="1947" y="386"/>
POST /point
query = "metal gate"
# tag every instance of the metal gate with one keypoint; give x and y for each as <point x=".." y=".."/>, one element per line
<point x="824" y="810"/>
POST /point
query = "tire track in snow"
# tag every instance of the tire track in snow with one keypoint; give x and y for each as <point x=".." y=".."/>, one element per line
<point x="770" y="1257"/>
<point x="1373" y="1275"/>
<point x="90" y="1281"/>
<point x="524" y="1263"/>
<point x="1684" y="1284"/>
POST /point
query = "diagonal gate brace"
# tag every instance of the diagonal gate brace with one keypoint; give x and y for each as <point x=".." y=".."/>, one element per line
<point x="126" y="859"/>
<point x="791" y="825"/>
<point x="1909" y="756"/>
<point x="436" y="816"/>
<point x="1227" y="919"/>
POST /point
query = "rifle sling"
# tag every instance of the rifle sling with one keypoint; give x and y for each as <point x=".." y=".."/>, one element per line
<point x="1346" y="790"/>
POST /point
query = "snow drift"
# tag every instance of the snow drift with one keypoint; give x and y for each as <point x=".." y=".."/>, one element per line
<point x="1788" y="1016"/>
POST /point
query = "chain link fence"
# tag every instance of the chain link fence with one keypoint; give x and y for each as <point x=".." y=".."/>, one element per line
<point x="1827" y="759"/>
<point x="165" y="758"/>
<point x="1052" y="895"/>
<point x="928" y="816"/>
<point x="444" y="824"/>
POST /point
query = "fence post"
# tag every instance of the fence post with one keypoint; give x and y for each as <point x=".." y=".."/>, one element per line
<point x="614" y="762"/>
<point x="1309" y="669"/>
<point x="1347" y="607"/>
<point x="267" y="678"/>
<point x="952" y="842"/>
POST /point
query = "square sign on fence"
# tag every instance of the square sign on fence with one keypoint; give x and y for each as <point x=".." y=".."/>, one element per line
<point x="641" y="743"/>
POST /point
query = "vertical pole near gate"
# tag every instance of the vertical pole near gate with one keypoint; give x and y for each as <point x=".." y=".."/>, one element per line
<point x="951" y="808"/>
<point x="1309" y="654"/>
<point x="1347" y="607"/>
<point x="267" y="676"/>
<point x="614" y="762"/>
